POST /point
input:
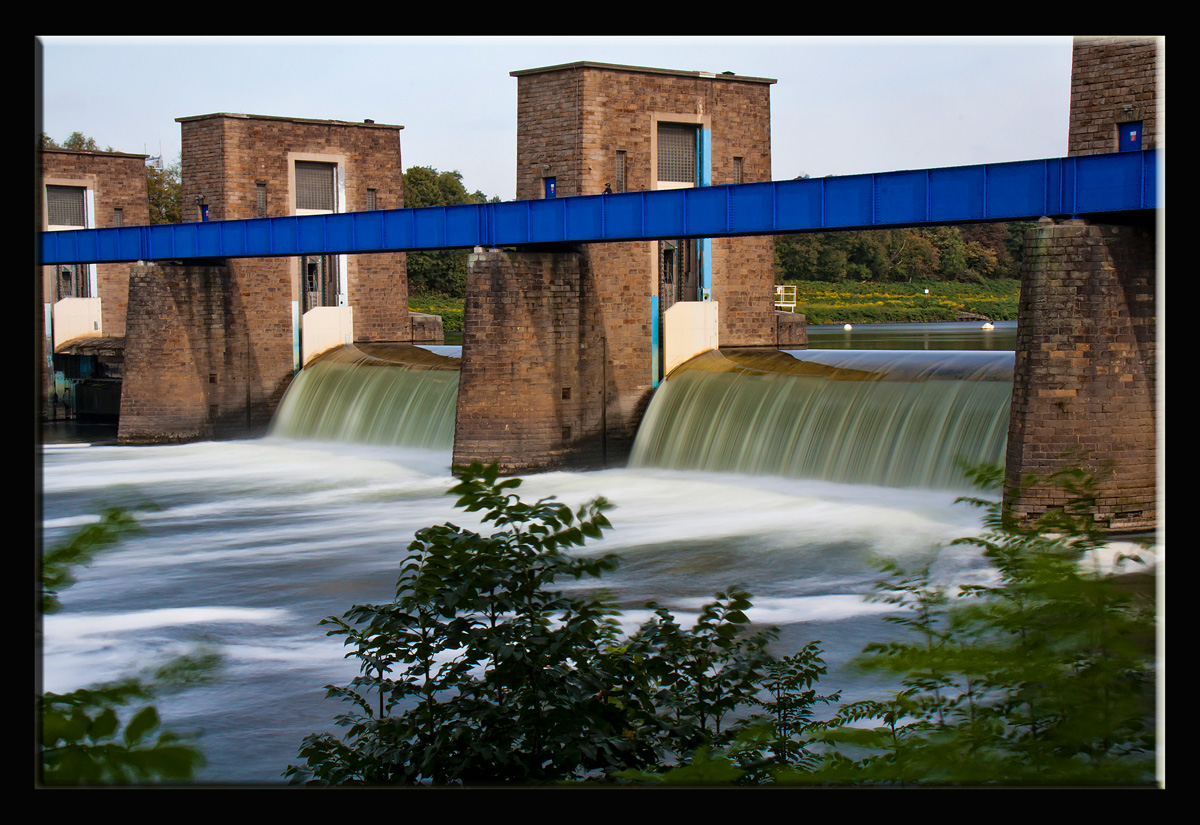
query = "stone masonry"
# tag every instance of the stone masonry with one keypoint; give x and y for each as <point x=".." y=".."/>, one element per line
<point x="215" y="344"/>
<point x="531" y="390"/>
<point x="117" y="181"/>
<point x="576" y="123"/>
<point x="195" y="363"/>
<point x="1113" y="81"/>
<point x="227" y="156"/>
<point x="1085" y="383"/>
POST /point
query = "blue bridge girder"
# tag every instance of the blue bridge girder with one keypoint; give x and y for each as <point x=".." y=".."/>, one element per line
<point x="1013" y="191"/>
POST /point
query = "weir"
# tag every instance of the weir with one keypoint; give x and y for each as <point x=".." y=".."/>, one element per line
<point x="896" y="419"/>
<point x="892" y="419"/>
<point x="389" y="395"/>
<point x="618" y="219"/>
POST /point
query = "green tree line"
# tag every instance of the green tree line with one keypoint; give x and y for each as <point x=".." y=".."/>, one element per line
<point x="969" y="254"/>
<point x="444" y="272"/>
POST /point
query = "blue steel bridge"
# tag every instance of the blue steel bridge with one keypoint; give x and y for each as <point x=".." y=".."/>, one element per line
<point x="1015" y="191"/>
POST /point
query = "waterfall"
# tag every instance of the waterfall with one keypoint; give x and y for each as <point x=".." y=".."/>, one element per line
<point x="909" y="419"/>
<point x="393" y="394"/>
<point x="892" y="418"/>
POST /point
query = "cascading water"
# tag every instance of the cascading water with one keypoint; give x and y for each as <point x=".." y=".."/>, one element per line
<point x="250" y="544"/>
<point x="899" y="419"/>
<point x="911" y="419"/>
<point x="391" y="395"/>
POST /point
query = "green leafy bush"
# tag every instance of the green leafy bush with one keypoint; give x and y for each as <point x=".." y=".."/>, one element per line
<point x="482" y="672"/>
<point x="1045" y="677"/>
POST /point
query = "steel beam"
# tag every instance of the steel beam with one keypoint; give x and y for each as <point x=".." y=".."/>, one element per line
<point x="1022" y="190"/>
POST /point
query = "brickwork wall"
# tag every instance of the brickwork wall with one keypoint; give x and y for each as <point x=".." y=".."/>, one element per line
<point x="1113" y="80"/>
<point x="571" y="122"/>
<point x="201" y="353"/>
<point x="225" y="157"/>
<point x="117" y="181"/>
<point x="1084" y="382"/>
<point x="531" y="392"/>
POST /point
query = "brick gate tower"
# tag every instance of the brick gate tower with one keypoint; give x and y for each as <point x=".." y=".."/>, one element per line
<point x="1085" y="383"/>
<point x="583" y="129"/>
<point x="213" y="345"/>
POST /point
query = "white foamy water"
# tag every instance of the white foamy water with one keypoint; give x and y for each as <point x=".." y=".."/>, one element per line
<point x="250" y="544"/>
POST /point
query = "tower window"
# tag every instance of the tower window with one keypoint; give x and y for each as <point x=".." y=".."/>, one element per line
<point x="315" y="185"/>
<point x="677" y="152"/>
<point x="65" y="206"/>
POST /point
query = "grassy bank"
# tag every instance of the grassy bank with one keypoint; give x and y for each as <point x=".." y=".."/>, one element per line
<point x="892" y="303"/>
<point x="451" y="309"/>
<point x="847" y="302"/>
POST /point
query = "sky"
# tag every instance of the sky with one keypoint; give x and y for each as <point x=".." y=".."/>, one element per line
<point x="840" y="105"/>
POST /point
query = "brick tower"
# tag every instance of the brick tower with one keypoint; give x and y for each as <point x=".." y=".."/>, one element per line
<point x="584" y="126"/>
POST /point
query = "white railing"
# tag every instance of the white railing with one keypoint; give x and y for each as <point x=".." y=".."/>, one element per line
<point x="785" y="297"/>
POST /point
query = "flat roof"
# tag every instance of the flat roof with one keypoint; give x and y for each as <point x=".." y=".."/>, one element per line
<point x="616" y="67"/>
<point x="62" y="151"/>
<point x="366" y="124"/>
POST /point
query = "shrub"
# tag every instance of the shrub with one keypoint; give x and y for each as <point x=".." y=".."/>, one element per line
<point x="1046" y="677"/>
<point x="481" y="672"/>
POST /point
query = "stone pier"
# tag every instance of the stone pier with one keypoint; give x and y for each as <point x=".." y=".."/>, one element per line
<point x="1085" y="377"/>
<point x="533" y="390"/>
<point x="208" y="352"/>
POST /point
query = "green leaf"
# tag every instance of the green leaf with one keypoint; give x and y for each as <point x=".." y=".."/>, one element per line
<point x="144" y="721"/>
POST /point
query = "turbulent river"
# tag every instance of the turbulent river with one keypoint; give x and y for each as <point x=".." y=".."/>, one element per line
<point x="249" y="544"/>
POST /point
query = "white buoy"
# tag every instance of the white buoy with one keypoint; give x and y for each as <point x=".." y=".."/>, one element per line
<point x="847" y="327"/>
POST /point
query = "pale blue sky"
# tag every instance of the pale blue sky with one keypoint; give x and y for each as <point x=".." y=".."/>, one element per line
<point x="840" y="106"/>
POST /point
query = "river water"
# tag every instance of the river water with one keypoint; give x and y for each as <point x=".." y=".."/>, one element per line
<point x="249" y="544"/>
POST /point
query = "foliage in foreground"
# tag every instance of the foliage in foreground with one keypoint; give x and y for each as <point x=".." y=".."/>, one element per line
<point x="481" y="672"/>
<point x="1044" y="677"/>
<point x="92" y="736"/>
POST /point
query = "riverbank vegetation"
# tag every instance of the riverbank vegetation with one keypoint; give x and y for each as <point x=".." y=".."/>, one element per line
<point x="896" y="303"/>
<point x="839" y="303"/>
<point x="486" y="670"/>
<point x="904" y="275"/>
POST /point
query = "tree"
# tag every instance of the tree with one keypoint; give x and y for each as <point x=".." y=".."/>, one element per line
<point x="969" y="252"/>
<point x="480" y="671"/>
<point x="164" y="189"/>
<point x="76" y="140"/>
<point x="443" y="272"/>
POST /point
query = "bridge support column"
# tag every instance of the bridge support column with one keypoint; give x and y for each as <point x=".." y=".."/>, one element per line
<point x="208" y="351"/>
<point x="532" y="389"/>
<point x="1084" y="382"/>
